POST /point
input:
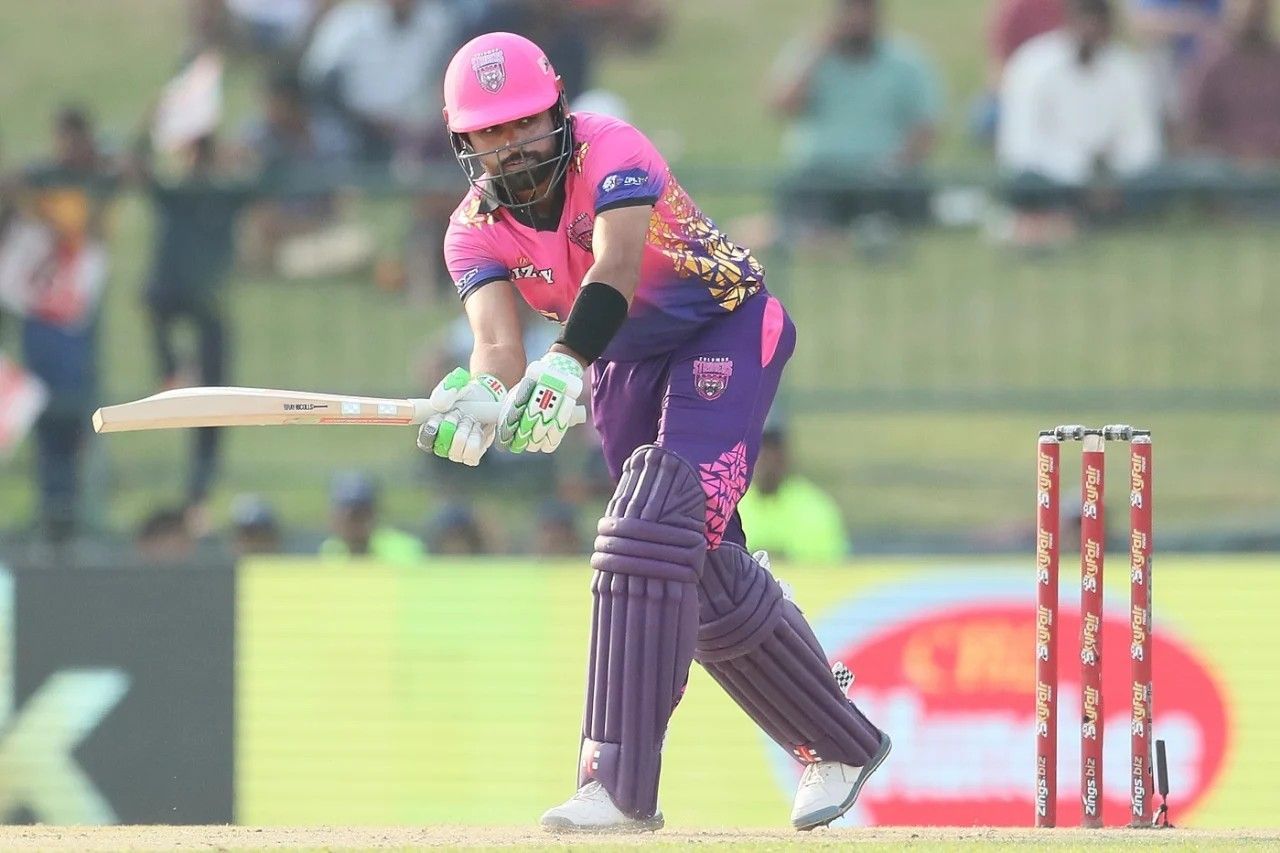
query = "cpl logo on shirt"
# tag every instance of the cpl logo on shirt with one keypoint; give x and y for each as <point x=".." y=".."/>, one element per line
<point x="628" y="178"/>
<point x="525" y="268"/>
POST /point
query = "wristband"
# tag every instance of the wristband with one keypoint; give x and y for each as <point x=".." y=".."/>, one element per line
<point x="597" y="314"/>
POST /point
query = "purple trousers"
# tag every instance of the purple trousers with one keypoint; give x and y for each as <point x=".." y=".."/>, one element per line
<point x="705" y="401"/>
<point x="672" y="582"/>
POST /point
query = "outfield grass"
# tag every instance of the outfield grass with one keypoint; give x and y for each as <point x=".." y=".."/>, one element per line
<point x="1000" y="345"/>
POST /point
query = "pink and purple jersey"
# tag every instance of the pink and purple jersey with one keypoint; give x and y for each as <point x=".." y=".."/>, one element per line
<point x="691" y="272"/>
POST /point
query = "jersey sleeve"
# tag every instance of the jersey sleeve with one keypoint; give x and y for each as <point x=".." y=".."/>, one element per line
<point x="471" y="262"/>
<point x="624" y="168"/>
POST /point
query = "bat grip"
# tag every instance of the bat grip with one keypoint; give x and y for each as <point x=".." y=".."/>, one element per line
<point x="485" y="413"/>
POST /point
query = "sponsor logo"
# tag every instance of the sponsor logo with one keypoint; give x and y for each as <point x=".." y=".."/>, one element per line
<point x="492" y="383"/>
<point x="1092" y="491"/>
<point x="1044" y="625"/>
<point x="546" y="400"/>
<point x="1139" y="789"/>
<point x="1042" y="786"/>
<point x="1137" y="632"/>
<point x="806" y="753"/>
<point x="1089" y="726"/>
<point x="1089" y="642"/>
<point x="1138" y="710"/>
<point x="490" y="68"/>
<point x="1044" y="552"/>
<point x="1044" y="702"/>
<point x="525" y="268"/>
<point x="304" y="407"/>
<point x="469" y="279"/>
<point x="39" y="739"/>
<point x="1092" y="803"/>
<point x="1044" y="480"/>
<point x="1138" y="557"/>
<point x="630" y="179"/>
<point x="1092" y="556"/>
<point x="711" y="376"/>
<point x="1137" y="480"/>
<point x="943" y="666"/>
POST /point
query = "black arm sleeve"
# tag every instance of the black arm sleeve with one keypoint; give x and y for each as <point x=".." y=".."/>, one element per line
<point x="597" y="314"/>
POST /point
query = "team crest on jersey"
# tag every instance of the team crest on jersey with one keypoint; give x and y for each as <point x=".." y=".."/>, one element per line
<point x="580" y="232"/>
<point x="490" y="67"/>
<point x="711" y="376"/>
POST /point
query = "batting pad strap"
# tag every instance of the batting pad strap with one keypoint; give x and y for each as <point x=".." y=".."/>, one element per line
<point x="741" y="604"/>
<point x="633" y="546"/>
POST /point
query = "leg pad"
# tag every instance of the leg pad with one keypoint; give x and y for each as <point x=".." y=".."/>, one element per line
<point x="760" y="649"/>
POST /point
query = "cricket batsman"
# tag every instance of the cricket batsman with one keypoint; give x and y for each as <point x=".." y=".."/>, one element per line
<point x="668" y="323"/>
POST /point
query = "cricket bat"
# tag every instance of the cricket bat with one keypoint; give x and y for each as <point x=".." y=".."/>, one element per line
<point x="227" y="406"/>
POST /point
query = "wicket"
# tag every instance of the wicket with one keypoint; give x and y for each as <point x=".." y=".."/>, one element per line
<point x="1092" y="554"/>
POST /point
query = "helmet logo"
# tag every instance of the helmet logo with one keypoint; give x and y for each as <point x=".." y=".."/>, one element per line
<point x="490" y="68"/>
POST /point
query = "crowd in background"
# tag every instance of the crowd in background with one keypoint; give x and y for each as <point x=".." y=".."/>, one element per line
<point x="1093" y="109"/>
<point x="1084" y="100"/>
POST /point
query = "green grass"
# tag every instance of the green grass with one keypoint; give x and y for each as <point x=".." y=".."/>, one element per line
<point x="918" y="382"/>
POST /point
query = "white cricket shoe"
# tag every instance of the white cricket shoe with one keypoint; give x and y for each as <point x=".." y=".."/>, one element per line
<point x="591" y="809"/>
<point x="828" y="789"/>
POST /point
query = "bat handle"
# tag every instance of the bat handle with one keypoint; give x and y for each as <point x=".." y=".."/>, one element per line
<point x="486" y="413"/>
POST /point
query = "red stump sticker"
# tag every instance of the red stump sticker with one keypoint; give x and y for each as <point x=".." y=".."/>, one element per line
<point x="948" y="670"/>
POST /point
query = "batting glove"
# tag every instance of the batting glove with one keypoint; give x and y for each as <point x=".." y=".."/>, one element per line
<point x="540" y="408"/>
<point x="452" y="434"/>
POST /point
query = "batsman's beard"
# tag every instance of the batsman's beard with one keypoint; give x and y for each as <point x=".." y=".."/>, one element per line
<point x="527" y="175"/>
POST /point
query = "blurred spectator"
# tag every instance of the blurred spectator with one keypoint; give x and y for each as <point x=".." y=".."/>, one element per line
<point x="786" y="514"/>
<point x="634" y="25"/>
<point x="163" y="538"/>
<point x="455" y="530"/>
<point x="1176" y="35"/>
<point x="273" y="27"/>
<point x="377" y="64"/>
<point x="557" y="532"/>
<point x="207" y="26"/>
<point x="254" y="526"/>
<point x="1077" y="111"/>
<point x="1233" y="104"/>
<point x="861" y="106"/>
<point x="1011" y="24"/>
<point x="357" y="531"/>
<point x="61" y="206"/>
<point x="194" y="247"/>
<point x="299" y="155"/>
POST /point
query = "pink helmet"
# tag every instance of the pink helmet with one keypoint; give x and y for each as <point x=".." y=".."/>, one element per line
<point x="496" y="78"/>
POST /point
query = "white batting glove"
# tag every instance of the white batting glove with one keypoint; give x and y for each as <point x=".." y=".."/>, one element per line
<point x="451" y="434"/>
<point x="540" y="408"/>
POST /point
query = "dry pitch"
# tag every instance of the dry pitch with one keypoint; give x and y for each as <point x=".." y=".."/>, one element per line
<point x="418" y="838"/>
